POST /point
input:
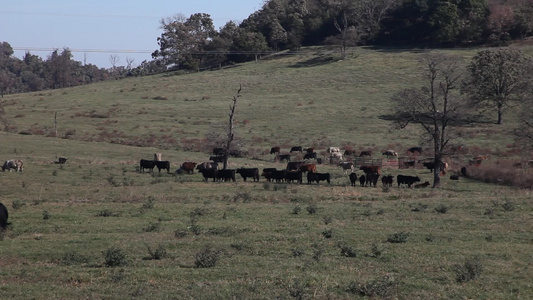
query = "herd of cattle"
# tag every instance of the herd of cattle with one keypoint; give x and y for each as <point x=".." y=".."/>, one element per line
<point x="295" y="171"/>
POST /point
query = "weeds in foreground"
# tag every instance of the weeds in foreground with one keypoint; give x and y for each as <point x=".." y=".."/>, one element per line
<point x="384" y="288"/>
<point x="469" y="270"/>
<point x="398" y="237"/>
<point x="159" y="253"/>
<point x="72" y="257"/>
<point x="114" y="257"/>
<point x="207" y="257"/>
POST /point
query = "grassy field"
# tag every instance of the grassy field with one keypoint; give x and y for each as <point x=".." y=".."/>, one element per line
<point x="97" y="228"/>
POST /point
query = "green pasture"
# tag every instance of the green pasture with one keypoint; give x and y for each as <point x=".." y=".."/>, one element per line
<point x="267" y="240"/>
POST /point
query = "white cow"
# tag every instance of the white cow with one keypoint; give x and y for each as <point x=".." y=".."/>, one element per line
<point x="346" y="166"/>
<point x="13" y="164"/>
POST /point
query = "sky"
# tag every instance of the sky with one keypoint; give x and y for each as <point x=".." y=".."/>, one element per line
<point x="97" y="29"/>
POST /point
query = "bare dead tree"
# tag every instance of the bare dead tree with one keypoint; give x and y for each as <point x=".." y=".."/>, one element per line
<point x="437" y="107"/>
<point x="231" y="132"/>
<point x="129" y="63"/>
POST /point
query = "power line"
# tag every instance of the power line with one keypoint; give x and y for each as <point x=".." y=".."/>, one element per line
<point x="41" y="49"/>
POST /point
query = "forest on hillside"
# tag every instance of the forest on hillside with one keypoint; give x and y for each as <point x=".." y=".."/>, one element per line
<point x="193" y="44"/>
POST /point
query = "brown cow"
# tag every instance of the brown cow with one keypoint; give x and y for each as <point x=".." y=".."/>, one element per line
<point x="308" y="168"/>
<point x="188" y="167"/>
<point x="275" y="150"/>
<point x="371" y="169"/>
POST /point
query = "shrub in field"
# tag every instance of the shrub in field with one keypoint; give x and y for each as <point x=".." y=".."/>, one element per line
<point x="46" y="215"/>
<point x="207" y="257"/>
<point x="297" y="252"/>
<point x="296" y="210"/>
<point x="196" y="229"/>
<point x="398" y="237"/>
<point x="318" y="251"/>
<point x="470" y="270"/>
<point x="106" y="213"/>
<point x="384" y="288"/>
<point x="297" y="289"/>
<point x="508" y="206"/>
<point x="419" y="207"/>
<point x="114" y="257"/>
<point x="328" y="233"/>
<point x="328" y="220"/>
<point x="376" y="250"/>
<point x="441" y="208"/>
<point x="180" y="233"/>
<point x="159" y="253"/>
<point x="149" y="204"/>
<point x="152" y="227"/>
<point x="72" y="258"/>
<point x="17" y="204"/>
<point x="196" y="213"/>
<point x="311" y="209"/>
<point x="347" y="251"/>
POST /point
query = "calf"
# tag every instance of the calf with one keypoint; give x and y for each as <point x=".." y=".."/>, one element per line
<point x="353" y="178"/>
<point x="146" y="164"/>
<point x="226" y="175"/>
<point x="296" y="149"/>
<point x="15" y="164"/>
<point x="310" y="155"/>
<point x="409" y="180"/>
<point x="387" y="180"/>
<point x="279" y="175"/>
<point x="308" y="168"/>
<point x="209" y="173"/>
<point x="188" y="167"/>
<point x="248" y="172"/>
<point x="3" y="217"/>
<point x="318" y="177"/>
<point x="346" y="166"/>
<point x="291" y="176"/>
<point x="275" y="150"/>
<point x="362" y="180"/>
<point x="422" y="185"/>
<point x="268" y="173"/>
<point x="164" y="164"/>
<point x="61" y="161"/>
<point x="372" y="179"/>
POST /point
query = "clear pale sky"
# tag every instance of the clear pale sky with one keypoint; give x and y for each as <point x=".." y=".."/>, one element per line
<point x="128" y="25"/>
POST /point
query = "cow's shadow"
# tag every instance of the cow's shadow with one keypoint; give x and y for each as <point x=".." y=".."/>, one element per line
<point x="315" y="61"/>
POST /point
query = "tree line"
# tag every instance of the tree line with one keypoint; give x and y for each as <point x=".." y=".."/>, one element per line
<point x="193" y="44"/>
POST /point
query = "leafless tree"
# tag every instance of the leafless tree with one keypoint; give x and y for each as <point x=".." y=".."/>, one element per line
<point x="129" y="63"/>
<point x="231" y="131"/>
<point x="114" y="59"/>
<point x="436" y="107"/>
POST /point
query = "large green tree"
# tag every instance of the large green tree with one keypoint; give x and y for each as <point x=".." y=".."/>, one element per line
<point x="498" y="78"/>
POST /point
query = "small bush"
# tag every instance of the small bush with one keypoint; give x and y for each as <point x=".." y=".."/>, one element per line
<point x="46" y="215"/>
<point x="398" y="237"/>
<point x="297" y="252"/>
<point x="441" y="209"/>
<point x="311" y="209"/>
<point x="376" y="250"/>
<point x="430" y="238"/>
<point x="196" y="229"/>
<point x="17" y="204"/>
<point x="328" y="220"/>
<point x="296" y="210"/>
<point x="106" y="213"/>
<point x="158" y="253"/>
<point x="347" y="251"/>
<point x="73" y="258"/>
<point x="114" y="257"/>
<point x="152" y="227"/>
<point x="179" y="233"/>
<point x="328" y="233"/>
<point x="468" y="271"/>
<point x="297" y="289"/>
<point x="207" y="258"/>
<point x="384" y="288"/>
<point x="508" y="206"/>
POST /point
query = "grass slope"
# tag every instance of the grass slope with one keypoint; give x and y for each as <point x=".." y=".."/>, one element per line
<point x="271" y="240"/>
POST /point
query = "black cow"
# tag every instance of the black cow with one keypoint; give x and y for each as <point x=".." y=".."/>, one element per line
<point x="275" y="150"/>
<point x="454" y="177"/>
<point x="219" y="151"/>
<point x="268" y="173"/>
<point x="362" y="180"/>
<point x="297" y="149"/>
<point x="294" y="165"/>
<point x="291" y="176"/>
<point x="279" y="175"/>
<point x="353" y="178"/>
<point x="146" y="164"/>
<point x="372" y="179"/>
<point x="248" y="172"/>
<point x="226" y="175"/>
<point x="3" y="216"/>
<point x="409" y="180"/>
<point x="163" y="164"/>
<point x="207" y="165"/>
<point x="310" y="150"/>
<point x="415" y="149"/>
<point x="61" y="161"/>
<point x="283" y="157"/>
<point x="209" y="173"/>
<point x="310" y="155"/>
<point x="217" y="159"/>
<point x="349" y="152"/>
<point x="387" y="180"/>
<point x="365" y="153"/>
<point x="318" y="177"/>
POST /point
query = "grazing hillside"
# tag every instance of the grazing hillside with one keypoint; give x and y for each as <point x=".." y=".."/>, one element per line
<point x="96" y="227"/>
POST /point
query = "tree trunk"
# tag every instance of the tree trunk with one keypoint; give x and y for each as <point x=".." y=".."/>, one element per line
<point x="499" y="114"/>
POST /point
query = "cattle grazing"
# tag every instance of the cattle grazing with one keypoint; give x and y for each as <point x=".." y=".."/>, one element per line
<point x="268" y="173"/>
<point x="236" y="153"/>
<point x="15" y="164"/>
<point x="371" y="169"/>
<point x="372" y="179"/>
<point x="226" y="175"/>
<point x="209" y="173"/>
<point x="409" y="180"/>
<point x="164" y="164"/>
<point x="279" y="175"/>
<point x="387" y="180"/>
<point x="431" y="166"/>
<point x="414" y="150"/>
<point x="248" y="172"/>
<point x="477" y="160"/>
<point x="362" y="180"/>
<point x="283" y="157"/>
<point x="310" y="150"/>
<point x="3" y="217"/>
<point x="336" y="155"/>
<point x="454" y="177"/>
<point x="365" y="153"/>
<point x="291" y="176"/>
<point x="353" y="178"/>
<point x="310" y="155"/>
<point x="390" y="153"/>
<point x="146" y="164"/>
<point x="219" y="151"/>
<point x="275" y="150"/>
<point x="294" y="165"/>
<point x="333" y="150"/>
<point x="346" y="166"/>
<point x="349" y="152"/>
<point x="60" y="161"/>
<point x="188" y="167"/>
<point x="296" y="149"/>
<point x="207" y="165"/>
<point x="308" y="168"/>
<point x="318" y="177"/>
<point x="408" y="164"/>
<point x="422" y="185"/>
<point x="217" y="159"/>
<point x="463" y="171"/>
